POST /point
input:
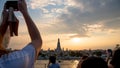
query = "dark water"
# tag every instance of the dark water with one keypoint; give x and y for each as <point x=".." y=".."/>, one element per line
<point x="63" y="63"/>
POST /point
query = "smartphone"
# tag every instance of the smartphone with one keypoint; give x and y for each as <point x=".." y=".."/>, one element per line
<point x="12" y="3"/>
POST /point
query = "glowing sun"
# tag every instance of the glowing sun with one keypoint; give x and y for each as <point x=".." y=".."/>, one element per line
<point x="76" y="40"/>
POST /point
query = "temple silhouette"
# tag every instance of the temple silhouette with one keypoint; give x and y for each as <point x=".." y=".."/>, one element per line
<point x="58" y="49"/>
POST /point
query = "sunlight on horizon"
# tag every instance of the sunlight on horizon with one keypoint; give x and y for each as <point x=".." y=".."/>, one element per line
<point x="76" y="40"/>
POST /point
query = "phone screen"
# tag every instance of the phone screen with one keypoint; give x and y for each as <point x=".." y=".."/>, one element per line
<point x="13" y="4"/>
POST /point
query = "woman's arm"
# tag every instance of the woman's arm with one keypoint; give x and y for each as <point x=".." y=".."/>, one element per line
<point x="32" y="29"/>
<point x="4" y="23"/>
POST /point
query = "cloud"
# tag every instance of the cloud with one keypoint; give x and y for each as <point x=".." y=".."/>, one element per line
<point x="93" y="11"/>
<point x="90" y="13"/>
<point x="37" y="3"/>
<point x="78" y="36"/>
<point x="80" y="17"/>
<point x="112" y="24"/>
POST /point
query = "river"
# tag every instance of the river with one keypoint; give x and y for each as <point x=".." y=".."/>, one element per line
<point x="63" y="63"/>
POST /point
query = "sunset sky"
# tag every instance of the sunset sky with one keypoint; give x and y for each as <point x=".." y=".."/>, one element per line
<point x="80" y="24"/>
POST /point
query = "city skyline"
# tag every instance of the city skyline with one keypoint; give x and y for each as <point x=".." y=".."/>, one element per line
<point x="80" y="24"/>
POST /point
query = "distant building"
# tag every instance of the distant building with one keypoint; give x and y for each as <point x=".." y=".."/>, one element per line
<point x="58" y="49"/>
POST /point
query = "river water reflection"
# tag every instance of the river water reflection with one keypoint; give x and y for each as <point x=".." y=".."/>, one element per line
<point x="63" y="63"/>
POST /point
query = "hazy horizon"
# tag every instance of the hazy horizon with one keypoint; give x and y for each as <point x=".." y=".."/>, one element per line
<point x="80" y="24"/>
